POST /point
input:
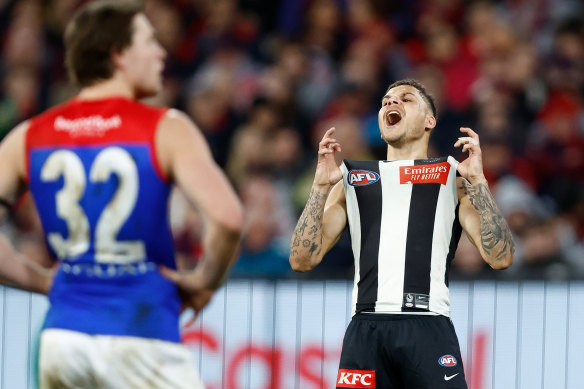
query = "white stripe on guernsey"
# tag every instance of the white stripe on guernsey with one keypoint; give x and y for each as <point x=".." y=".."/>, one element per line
<point x="395" y="211"/>
<point x="443" y="220"/>
<point x="355" y="228"/>
<point x="453" y="162"/>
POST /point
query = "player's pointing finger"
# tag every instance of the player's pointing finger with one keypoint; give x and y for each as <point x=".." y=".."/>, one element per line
<point x="329" y="132"/>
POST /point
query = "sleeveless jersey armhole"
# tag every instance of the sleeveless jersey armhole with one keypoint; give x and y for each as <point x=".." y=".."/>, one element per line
<point x="154" y="149"/>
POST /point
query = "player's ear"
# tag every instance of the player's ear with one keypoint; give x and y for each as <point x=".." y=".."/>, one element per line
<point x="430" y="122"/>
<point x="117" y="60"/>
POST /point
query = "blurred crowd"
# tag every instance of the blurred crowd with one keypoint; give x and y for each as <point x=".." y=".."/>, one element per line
<point x="264" y="79"/>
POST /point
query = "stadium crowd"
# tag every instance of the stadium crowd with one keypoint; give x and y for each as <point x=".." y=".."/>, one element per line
<point x="263" y="80"/>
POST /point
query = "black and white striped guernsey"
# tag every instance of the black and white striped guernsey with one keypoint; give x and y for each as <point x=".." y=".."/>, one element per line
<point x="403" y="220"/>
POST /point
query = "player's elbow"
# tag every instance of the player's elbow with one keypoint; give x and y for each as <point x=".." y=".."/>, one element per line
<point x="232" y="221"/>
<point x="502" y="263"/>
<point x="228" y="220"/>
<point x="303" y="263"/>
<point x="298" y="265"/>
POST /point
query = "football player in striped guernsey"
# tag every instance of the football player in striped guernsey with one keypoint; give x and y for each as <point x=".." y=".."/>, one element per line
<point x="405" y="216"/>
<point x="100" y="168"/>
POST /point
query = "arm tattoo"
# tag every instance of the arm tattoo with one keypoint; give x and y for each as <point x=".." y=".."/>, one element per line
<point x="309" y="240"/>
<point x="496" y="238"/>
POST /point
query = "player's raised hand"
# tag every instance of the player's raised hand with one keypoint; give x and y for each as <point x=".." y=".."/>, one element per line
<point x="328" y="172"/>
<point x="472" y="167"/>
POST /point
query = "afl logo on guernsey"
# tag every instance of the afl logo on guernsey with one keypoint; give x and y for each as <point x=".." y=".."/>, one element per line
<point x="447" y="360"/>
<point x="362" y="177"/>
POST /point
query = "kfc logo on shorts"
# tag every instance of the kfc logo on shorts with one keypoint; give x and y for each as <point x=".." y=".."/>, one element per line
<point x="447" y="360"/>
<point x="356" y="378"/>
<point x="436" y="173"/>
<point x="362" y="177"/>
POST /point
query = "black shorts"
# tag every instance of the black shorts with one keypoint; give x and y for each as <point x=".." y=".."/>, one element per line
<point x="400" y="352"/>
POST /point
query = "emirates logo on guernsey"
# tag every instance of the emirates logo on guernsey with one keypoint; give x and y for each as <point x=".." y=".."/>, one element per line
<point x="436" y="173"/>
<point x="356" y="378"/>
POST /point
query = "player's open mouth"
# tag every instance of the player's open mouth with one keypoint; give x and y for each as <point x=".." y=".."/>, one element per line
<point x="392" y="118"/>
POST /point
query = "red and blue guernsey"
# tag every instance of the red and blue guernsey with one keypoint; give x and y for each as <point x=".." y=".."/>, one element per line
<point x="103" y="202"/>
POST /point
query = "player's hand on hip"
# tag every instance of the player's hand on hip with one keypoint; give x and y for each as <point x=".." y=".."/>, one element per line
<point x="328" y="172"/>
<point x="197" y="301"/>
<point x="472" y="167"/>
<point x="48" y="279"/>
<point x="191" y="288"/>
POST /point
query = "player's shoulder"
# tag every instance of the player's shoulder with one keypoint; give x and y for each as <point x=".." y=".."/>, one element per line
<point x="174" y="121"/>
<point x="176" y="130"/>
<point x="17" y="134"/>
<point x="452" y="161"/>
<point x="21" y="128"/>
<point x="177" y="136"/>
<point x="177" y="117"/>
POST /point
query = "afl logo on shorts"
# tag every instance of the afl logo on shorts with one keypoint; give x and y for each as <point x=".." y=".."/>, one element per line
<point x="447" y="360"/>
<point x="362" y="177"/>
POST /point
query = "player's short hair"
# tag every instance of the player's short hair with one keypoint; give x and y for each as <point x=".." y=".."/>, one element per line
<point x="96" y="31"/>
<point x="425" y="95"/>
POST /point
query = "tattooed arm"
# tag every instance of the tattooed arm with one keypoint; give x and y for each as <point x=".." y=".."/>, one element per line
<point x="324" y="217"/>
<point x="320" y="226"/>
<point x="479" y="215"/>
<point x="484" y="224"/>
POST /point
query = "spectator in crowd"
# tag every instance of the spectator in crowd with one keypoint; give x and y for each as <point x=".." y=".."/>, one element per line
<point x="262" y="81"/>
